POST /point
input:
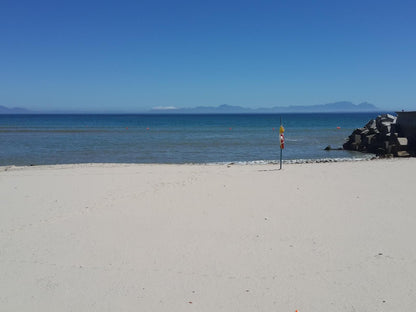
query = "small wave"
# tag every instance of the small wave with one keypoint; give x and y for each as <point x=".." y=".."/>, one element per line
<point x="293" y="140"/>
<point x="328" y="160"/>
<point x="291" y="161"/>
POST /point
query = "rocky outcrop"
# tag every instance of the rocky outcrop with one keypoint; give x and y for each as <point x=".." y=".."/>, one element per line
<point x="406" y="122"/>
<point x="380" y="136"/>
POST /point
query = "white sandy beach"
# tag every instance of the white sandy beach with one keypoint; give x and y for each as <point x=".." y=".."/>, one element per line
<point x="311" y="237"/>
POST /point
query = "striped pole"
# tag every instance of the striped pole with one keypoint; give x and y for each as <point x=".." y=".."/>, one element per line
<point x="282" y="141"/>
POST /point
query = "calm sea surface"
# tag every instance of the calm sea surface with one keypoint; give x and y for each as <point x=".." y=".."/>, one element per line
<point x="63" y="139"/>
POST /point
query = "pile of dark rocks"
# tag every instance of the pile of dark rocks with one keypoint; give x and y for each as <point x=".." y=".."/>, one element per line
<point x="380" y="136"/>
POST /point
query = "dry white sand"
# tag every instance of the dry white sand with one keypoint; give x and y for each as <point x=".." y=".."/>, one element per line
<point x="312" y="237"/>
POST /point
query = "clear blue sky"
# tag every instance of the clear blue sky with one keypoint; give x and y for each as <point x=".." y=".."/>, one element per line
<point x="135" y="55"/>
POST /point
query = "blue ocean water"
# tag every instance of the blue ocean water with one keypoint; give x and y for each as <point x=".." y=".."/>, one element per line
<point x="64" y="139"/>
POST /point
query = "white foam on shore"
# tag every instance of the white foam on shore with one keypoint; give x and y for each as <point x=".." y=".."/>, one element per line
<point x="365" y="157"/>
<point x="295" y="161"/>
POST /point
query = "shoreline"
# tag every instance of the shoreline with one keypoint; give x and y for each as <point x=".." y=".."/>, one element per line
<point x="311" y="237"/>
<point x="369" y="157"/>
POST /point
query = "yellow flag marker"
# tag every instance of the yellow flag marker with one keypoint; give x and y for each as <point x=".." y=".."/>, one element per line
<point x="282" y="141"/>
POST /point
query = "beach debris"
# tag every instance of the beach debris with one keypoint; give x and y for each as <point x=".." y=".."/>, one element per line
<point x="381" y="136"/>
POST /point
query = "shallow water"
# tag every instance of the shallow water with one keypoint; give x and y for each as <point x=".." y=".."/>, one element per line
<point x="63" y="139"/>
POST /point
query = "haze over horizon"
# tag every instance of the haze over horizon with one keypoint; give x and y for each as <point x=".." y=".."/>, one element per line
<point x="340" y="107"/>
<point x="130" y="56"/>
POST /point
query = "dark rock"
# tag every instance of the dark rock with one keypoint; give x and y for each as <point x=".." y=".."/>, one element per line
<point x="402" y="141"/>
<point x="371" y="124"/>
<point x="403" y="154"/>
<point x="329" y="148"/>
<point x="370" y="139"/>
<point x="365" y="132"/>
<point x="380" y="136"/>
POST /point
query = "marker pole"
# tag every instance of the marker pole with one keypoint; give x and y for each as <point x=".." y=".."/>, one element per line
<point x="281" y="150"/>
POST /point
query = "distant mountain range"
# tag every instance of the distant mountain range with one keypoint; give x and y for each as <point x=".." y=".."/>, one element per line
<point x="13" y="110"/>
<point x="229" y="109"/>
<point x="337" y="107"/>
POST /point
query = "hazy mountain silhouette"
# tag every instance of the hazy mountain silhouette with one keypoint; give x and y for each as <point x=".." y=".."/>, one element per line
<point x="13" y="110"/>
<point x="229" y="109"/>
<point x="336" y="107"/>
